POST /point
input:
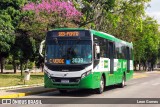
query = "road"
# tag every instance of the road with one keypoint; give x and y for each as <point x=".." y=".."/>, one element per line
<point x="145" y="87"/>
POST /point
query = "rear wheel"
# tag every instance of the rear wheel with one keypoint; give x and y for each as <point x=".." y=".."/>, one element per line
<point x="101" y="88"/>
<point x="62" y="91"/>
<point x="123" y="82"/>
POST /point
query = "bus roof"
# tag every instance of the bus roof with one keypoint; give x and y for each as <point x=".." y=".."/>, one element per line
<point x="68" y="29"/>
<point x="109" y="37"/>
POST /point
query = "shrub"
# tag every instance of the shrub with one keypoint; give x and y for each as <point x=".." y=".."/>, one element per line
<point x="8" y="66"/>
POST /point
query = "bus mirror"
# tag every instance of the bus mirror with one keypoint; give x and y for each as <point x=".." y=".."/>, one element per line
<point x="97" y="49"/>
<point x="41" y="48"/>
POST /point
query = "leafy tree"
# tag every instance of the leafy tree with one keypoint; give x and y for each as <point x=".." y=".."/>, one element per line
<point x="6" y="36"/>
<point x="146" y="45"/>
<point x="44" y="15"/>
<point x="49" y="14"/>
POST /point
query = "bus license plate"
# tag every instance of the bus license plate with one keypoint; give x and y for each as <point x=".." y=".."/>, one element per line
<point x="64" y="81"/>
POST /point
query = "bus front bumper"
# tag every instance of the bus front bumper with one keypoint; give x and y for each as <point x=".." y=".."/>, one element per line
<point x="89" y="82"/>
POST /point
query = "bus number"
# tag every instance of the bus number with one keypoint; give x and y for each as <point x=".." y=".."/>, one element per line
<point x="77" y="60"/>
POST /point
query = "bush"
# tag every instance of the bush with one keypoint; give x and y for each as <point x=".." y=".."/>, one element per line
<point x="8" y="66"/>
<point x="30" y="65"/>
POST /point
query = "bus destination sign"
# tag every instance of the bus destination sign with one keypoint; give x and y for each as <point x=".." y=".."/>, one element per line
<point x="68" y="34"/>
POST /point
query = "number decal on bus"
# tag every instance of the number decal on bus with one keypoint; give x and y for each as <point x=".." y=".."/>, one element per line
<point x="77" y="60"/>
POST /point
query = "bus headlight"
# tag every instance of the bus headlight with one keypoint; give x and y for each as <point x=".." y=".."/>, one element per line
<point x="85" y="74"/>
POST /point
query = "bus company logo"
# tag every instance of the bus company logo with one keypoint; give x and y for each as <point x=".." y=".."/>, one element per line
<point x="65" y="75"/>
<point x="124" y="64"/>
<point x="105" y="63"/>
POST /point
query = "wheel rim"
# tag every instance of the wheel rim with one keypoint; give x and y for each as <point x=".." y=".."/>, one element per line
<point x="123" y="82"/>
<point x="102" y="85"/>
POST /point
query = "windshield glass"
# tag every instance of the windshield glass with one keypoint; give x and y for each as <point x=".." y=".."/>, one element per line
<point x="69" y="51"/>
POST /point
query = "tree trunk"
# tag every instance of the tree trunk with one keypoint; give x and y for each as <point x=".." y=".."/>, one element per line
<point x="1" y="62"/>
<point x="139" y="66"/>
<point x="14" y="66"/>
<point x="135" y="66"/>
<point x="21" y="67"/>
<point x="135" y="69"/>
<point x="146" y="66"/>
<point x="42" y="66"/>
<point x="152" y="67"/>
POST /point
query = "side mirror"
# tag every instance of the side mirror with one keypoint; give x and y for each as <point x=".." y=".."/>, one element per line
<point x="41" y="48"/>
<point x="97" y="51"/>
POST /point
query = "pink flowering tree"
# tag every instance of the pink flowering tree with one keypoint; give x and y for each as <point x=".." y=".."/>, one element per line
<point x="53" y="13"/>
<point x="61" y="8"/>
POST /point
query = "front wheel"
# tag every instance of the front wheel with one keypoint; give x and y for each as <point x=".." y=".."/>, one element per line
<point x="101" y="88"/>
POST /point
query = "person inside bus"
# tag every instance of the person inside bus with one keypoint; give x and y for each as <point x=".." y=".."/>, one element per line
<point x="87" y="55"/>
<point x="71" y="53"/>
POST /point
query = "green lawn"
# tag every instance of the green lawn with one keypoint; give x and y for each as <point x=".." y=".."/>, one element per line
<point x="16" y="79"/>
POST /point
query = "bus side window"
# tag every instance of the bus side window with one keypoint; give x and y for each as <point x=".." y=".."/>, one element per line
<point x="103" y="48"/>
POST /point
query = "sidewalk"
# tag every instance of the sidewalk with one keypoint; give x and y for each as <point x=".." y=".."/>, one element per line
<point x="20" y="92"/>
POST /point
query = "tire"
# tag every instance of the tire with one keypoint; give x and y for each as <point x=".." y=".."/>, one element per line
<point x="102" y="85"/>
<point x="62" y="91"/>
<point x="123" y="82"/>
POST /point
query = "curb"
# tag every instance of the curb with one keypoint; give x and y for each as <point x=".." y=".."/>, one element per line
<point x="17" y="95"/>
<point x="20" y="86"/>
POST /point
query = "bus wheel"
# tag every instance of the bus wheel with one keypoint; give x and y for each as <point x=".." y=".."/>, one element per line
<point x="123" y="82"/>
<point x="62" y="91"/>
<point x="101" y="88"/>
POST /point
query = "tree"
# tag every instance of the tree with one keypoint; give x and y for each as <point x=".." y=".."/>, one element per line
<point x="48" y="14"/>
<point x="146" y="45"/>
<point x="6" y="36"/>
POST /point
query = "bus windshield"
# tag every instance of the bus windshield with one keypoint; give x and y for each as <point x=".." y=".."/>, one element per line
<point x="68" y="51"/>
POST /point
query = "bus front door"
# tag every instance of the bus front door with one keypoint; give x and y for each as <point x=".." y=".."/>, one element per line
<point x="111" y="57"/>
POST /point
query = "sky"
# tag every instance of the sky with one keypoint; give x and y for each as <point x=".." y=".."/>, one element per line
<point x="154" y="10"/>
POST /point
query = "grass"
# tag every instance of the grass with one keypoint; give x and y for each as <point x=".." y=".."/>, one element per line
<point x="16" y="79"/>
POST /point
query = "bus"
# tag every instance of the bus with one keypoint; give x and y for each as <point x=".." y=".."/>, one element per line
<point x="77" y="58"/>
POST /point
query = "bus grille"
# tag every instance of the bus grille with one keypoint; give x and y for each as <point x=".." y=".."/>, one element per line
<point x="71" y="80"/>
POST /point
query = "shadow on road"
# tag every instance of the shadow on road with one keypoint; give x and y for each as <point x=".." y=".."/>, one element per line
<point x="79" y="92"/>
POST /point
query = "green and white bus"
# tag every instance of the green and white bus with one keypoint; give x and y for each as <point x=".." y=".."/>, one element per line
<point x="78" y="58"/>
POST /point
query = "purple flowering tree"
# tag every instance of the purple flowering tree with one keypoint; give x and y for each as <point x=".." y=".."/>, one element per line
<point x="54" y="13"/>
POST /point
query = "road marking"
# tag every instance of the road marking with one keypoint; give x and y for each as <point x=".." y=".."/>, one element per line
<point x="158" y="72"/>
<point x="139" y="76"/>
<point x="132" y="83"/>
<point x="156" y="84"/>
<point x="144" y="83"/>
<point x="150" y="72"/>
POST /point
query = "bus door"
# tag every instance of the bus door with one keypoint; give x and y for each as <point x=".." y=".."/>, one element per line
<point x="111" y="57"/>
<point x="128" y="61"/>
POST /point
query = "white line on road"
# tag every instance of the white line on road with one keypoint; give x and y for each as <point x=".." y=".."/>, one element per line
<point x="156" y="84"/>
<point x="132" y="83"/>
<point x="144" y="83"/>
<point x="151" y="72"/>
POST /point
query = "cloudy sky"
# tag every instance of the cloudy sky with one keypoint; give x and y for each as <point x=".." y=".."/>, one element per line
<point x="154" y="10"/>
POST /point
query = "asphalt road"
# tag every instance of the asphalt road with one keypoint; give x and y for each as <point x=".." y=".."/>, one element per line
<point x="145" y="87"/>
